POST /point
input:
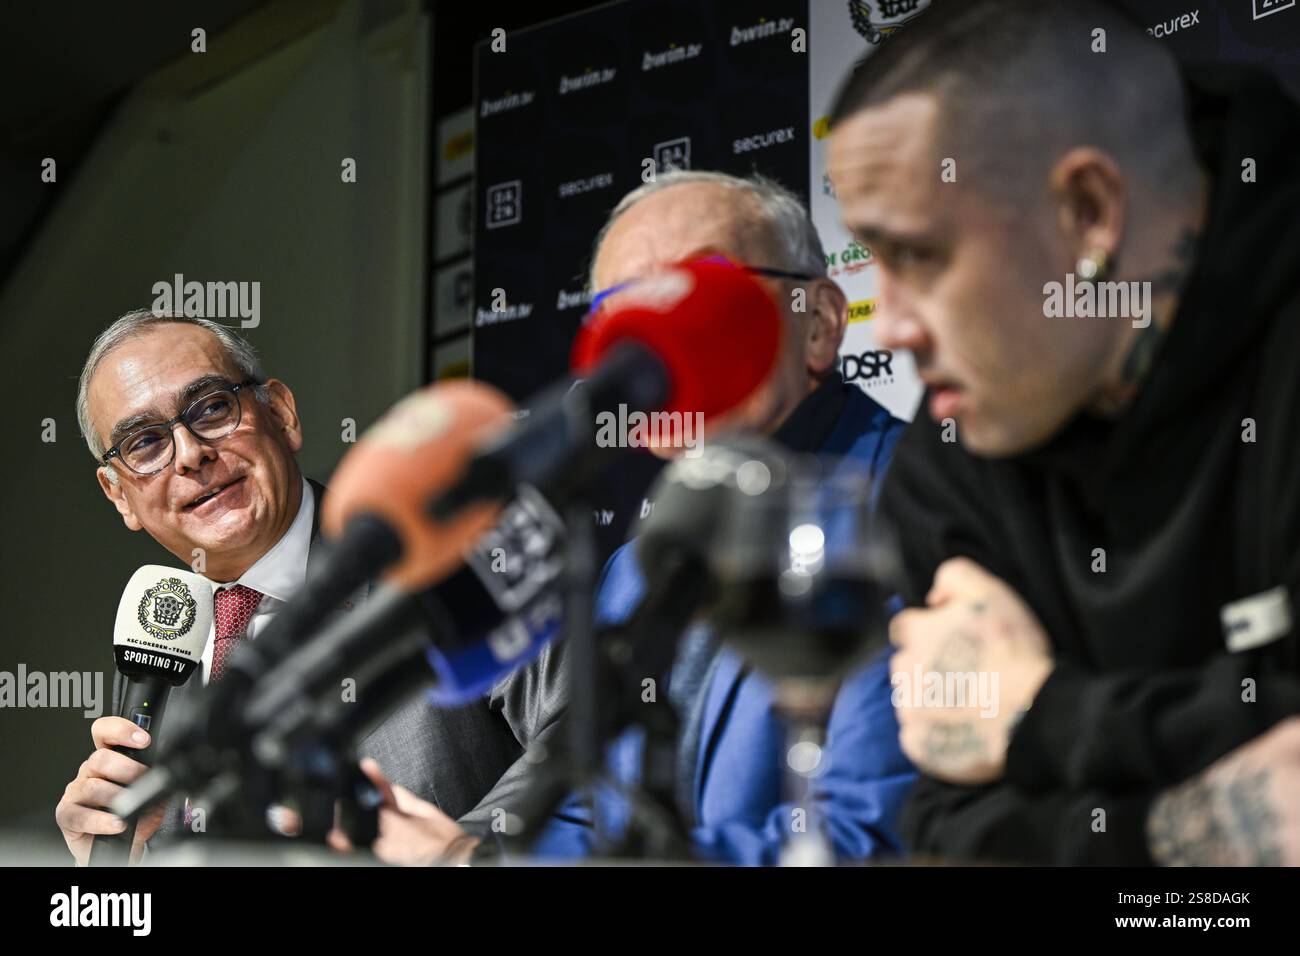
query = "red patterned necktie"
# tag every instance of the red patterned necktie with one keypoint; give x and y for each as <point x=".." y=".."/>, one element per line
<point x="234" y="608"/>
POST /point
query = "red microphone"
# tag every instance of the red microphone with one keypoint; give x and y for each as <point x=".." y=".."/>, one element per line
<point x="700" y="338"/>
<point x="714" y="328"/>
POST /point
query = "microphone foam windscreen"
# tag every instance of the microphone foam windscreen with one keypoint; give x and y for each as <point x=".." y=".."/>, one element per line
<point x="419" y="448"/>
<point x="711" y="323"/>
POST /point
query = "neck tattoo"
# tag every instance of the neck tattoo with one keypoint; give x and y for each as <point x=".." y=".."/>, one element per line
<point x="1142" y="352"/>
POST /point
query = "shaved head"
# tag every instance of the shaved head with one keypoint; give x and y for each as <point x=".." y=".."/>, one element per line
<point x="1019" y="82"/>
<point x="985" y="154"/>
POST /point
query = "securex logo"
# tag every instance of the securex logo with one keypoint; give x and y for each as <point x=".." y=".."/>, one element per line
<point x="773" y="137"/>
<point x="1175" y="24"/>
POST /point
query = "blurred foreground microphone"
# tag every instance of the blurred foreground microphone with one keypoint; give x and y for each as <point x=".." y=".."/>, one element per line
<point x="698" y="338"/>
<point x="375" y="513"/>
<point x="674" y="548"/>
<point x="804" y="570"/>
<point x="693" y="498"/>
<point x="162" y="626"/>
<point x="802" y="567"/>
<point x="499" y="611"/>
<point x="462" y="636"/>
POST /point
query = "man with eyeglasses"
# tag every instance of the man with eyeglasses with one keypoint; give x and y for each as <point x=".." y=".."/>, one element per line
<point x="196" y="446"/>
<point x="733" y="742"/>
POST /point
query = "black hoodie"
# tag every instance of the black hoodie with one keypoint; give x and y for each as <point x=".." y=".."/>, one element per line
<point x="1191" y="517"/>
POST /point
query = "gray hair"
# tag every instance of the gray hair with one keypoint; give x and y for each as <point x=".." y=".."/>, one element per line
<point x="241" y="354"/>
<point x="791" y="228"/>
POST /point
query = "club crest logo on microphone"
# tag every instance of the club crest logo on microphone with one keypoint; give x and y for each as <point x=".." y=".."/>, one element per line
<point x="167" y="610"/>
<point x="874" y="25"/>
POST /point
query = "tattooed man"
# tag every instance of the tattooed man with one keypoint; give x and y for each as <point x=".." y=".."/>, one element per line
<point x="1096" y="264"/>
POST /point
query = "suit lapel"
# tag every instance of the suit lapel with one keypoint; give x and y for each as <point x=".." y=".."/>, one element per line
<point x="314" y="554"/>
<point x="721" y="691"/>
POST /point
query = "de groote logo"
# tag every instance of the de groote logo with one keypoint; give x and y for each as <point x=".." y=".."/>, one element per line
<point x="167" y="610"/>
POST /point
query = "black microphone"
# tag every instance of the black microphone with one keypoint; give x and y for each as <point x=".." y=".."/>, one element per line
<point x="473" y="629"/>
<point x="162" y="626"/>
<point x="381" y="645"/>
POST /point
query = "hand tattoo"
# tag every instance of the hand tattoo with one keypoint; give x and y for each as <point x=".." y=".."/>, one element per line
<point x="1216" y="821"/>
<point x="952" y="746"/>
<point x="958" y="654"/>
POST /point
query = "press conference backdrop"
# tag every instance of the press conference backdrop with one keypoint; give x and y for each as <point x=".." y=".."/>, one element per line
<point x="571" y="115"/>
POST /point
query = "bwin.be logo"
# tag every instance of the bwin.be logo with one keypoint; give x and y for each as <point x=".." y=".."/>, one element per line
<point x="167" y="609"/>
<point x="875" y="366"/>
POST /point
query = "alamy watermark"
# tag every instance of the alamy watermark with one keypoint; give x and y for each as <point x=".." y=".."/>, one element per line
<point x="637" y="429"/>
<point x="209" y="300"/>
<point x="946" y="689"/>
<point x="74" y="908"/>
<point x="1087" y="299"/>
<point x="56" y="690"/>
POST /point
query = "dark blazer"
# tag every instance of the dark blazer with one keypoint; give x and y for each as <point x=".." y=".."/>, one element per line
<point x="454" y="758"/>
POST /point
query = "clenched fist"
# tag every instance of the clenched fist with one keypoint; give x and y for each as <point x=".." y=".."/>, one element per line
<point x="967" y="666"/>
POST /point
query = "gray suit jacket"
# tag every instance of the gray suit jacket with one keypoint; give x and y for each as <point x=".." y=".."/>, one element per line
<point x="468" y="761"/>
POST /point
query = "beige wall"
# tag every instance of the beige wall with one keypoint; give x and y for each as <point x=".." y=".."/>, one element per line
<point x="234" y="176"/>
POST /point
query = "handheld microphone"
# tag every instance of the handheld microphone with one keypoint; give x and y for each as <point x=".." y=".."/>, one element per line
<point x="163" y="621"/>
<point x="658" y="350"/>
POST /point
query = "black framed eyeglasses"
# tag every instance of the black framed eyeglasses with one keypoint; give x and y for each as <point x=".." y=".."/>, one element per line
<point x="210" y="417"/>
<point x="603" y="294"/>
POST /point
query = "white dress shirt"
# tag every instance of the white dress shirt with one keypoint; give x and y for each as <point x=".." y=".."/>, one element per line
<point x="276" y="574"/>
